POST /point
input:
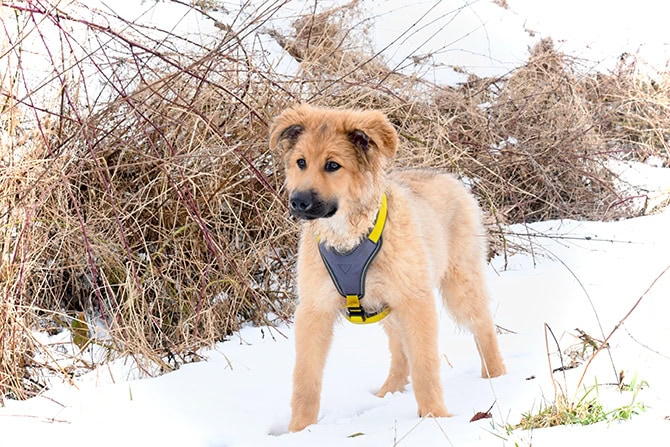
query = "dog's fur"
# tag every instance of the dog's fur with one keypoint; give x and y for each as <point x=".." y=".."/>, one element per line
<point x="434" y="238"/>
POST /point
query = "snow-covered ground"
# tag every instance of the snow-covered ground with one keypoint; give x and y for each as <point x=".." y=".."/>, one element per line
<point x="578" y="275"/>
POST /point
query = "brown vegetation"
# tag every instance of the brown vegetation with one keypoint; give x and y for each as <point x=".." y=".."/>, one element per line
<point x="158" y="208"/>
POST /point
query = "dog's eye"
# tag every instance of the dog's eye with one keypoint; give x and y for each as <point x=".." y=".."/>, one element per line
<point x="332" y="166"/>
<point x="302" y="164"/>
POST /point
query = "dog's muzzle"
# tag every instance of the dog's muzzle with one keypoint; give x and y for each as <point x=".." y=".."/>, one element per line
<point x="307" y="205"/>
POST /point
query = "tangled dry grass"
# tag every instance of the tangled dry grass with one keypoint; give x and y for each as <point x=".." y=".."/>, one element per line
<point x="155" y="211"/>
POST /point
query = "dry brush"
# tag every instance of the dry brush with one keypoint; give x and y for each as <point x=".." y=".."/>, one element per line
<point x="137" y="190"/>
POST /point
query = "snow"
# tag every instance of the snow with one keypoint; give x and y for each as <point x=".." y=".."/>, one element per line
<point x="447" y="38"/>
<point x="652" y="193"/>
<point x="483" y="38"/>
<point x="584" y="275"/>
<point x="600" y="30"/>
<point x="572" y="275"/>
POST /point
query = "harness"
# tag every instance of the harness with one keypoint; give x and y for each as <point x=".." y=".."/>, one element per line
<point x="348" y="271"/>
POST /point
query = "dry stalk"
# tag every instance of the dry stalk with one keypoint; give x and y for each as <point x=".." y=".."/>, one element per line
<point x="605" y="342"/>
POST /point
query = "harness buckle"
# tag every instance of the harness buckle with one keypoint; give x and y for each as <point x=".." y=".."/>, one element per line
<point x="355" y="313"/>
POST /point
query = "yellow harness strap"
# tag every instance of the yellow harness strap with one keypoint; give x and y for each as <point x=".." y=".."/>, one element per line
<point x="348" y="271"/>
<point x="376" y="232"/>
<point x="357" y="315"/>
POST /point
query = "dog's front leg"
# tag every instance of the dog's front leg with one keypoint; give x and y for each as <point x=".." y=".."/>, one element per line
<point x="418" y="321"/>
<point x="313" y="335"/>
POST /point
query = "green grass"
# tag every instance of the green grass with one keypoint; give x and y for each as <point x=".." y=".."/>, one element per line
<point x="588" y="410"/>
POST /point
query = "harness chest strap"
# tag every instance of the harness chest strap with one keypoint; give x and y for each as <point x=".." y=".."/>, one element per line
<point x="348" y="271"/>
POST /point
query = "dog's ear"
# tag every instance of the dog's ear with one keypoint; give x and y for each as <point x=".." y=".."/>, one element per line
<point x="291" y="133"/>
<point x="286" y="127"/>
<point x="375" y="129"/>
<point x="359" y="139"/>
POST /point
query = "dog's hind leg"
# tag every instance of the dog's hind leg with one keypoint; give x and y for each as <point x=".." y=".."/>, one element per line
<point x="313" y="336"/>
<point x="466" y="299"/>
<point x="399" y="371"/>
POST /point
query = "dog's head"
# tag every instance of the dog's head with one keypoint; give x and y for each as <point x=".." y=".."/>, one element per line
<point x="334" y="159"/>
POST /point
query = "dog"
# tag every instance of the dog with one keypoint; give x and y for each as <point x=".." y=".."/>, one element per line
<point x="431" y="237"/>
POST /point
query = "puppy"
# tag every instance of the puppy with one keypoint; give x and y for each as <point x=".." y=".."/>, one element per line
<point x="429" y="235"/>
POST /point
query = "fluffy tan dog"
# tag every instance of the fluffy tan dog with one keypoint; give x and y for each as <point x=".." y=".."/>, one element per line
<point x="432" y="238"/>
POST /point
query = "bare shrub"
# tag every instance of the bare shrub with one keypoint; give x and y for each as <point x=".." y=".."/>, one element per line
<point x="157" y="210"/>
<point x="631" y="110"/>
<point x="547" y="146"/>
<point x="137" y="192"/>
<point x="13" y="346"/>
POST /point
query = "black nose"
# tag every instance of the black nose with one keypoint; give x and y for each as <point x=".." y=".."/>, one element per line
<point x="302" y="201"/>
<point x="309" y="205"/>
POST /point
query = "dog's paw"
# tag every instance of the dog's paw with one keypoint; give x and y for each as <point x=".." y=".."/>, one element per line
<point x="494" y="371"/>
<point x="298" y="425"/>
<point x="391" y="387"/>
<point x="437" y="410"/>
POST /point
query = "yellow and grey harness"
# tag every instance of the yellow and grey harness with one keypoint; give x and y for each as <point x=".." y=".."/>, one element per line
<point x="348" y="271"/>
